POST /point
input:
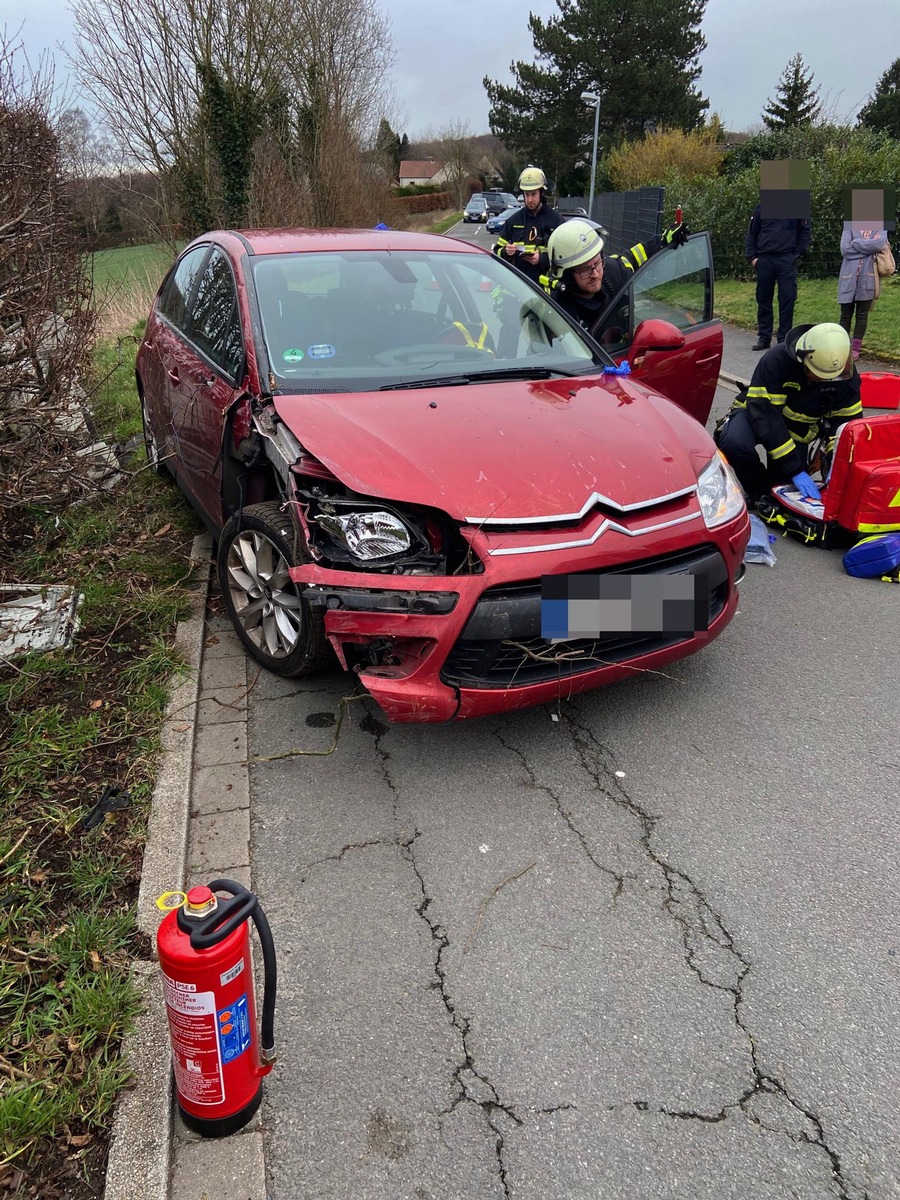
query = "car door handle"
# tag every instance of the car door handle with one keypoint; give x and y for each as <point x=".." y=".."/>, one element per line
<point x="701" y="362"/>
<point x="173" y="375"/>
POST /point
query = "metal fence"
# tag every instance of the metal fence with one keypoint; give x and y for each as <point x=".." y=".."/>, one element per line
<point x="629" y="217"/>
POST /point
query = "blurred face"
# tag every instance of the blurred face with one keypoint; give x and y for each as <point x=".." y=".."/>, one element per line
<point x="589" y="278"/>
<point x="532" y="200"/>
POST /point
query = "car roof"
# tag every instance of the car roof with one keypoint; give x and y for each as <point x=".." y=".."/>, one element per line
<point x="292" y="241"/>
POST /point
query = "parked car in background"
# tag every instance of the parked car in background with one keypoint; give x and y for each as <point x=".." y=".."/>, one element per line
<point x="496" y="223"/>
<point x="497" y="201"/>
<point x="476" y="209"/>
<point x="409" y="477"/>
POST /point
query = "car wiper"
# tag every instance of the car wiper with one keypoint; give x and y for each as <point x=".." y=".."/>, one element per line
<point x="480" y="377"/>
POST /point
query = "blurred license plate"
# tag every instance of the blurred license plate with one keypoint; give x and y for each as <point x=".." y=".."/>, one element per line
<point x="604" y="606"/>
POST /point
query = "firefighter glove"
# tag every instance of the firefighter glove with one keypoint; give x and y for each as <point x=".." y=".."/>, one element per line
<point x="676" y="236"/>
<point x="806" y="486"/>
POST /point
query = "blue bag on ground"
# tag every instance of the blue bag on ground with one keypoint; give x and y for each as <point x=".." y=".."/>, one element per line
<point x="873" y="557"/>
<point x="759" y="549"/>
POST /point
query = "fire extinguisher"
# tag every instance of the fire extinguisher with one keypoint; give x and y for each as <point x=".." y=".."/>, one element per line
<point x="203" y="944"/>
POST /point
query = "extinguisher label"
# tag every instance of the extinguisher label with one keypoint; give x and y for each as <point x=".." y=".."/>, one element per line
<point x="232" y="973"/>
<point x="195" y="1044"/>
<point x="234" y="1029"/>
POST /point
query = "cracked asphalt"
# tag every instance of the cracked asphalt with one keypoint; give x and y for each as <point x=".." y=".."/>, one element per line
<point x="647" y="949"/>
<point x="643" y="944"/>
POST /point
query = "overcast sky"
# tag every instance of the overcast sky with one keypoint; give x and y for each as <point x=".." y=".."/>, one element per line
<point x="443" y="51"/>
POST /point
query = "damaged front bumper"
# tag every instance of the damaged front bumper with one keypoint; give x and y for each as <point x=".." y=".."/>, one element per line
<point x="439" y="648"/>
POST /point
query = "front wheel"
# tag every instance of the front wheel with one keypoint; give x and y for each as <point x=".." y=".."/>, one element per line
<point x="267" y="608"/>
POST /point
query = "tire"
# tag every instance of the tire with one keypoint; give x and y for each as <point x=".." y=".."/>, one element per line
<point x="151" y="446"/>
<point x="266" y="607"/>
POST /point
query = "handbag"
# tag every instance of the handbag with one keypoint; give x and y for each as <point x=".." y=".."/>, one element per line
<point x="884" y="261"/>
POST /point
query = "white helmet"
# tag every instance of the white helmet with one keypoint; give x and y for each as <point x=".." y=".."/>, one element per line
<point x="531" y="179"/>
<point x="572" y="244"/>
<point x="824" y="350"/>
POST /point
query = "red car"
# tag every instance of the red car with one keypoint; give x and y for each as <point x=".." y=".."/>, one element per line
<point x="414" y="461"/>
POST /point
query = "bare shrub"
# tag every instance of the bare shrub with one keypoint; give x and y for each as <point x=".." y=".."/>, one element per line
<point x="46" y="317"/>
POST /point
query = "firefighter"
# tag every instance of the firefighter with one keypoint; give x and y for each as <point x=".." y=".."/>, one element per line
<point x="523" y="240"/>
<point x="583" y="280"/>
<point x="804" y="388"/>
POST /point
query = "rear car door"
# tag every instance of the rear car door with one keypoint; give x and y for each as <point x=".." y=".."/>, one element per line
<point x="210" y="375"/>
<point x="166" y="352"/>
<point x="675" y="285"/>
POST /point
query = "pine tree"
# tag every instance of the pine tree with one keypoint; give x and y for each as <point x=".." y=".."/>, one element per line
<point x="387" y="147"/>
<point x="797" y="101"/>
<point x="640" y="57"/>
<point x="883" y="108"/>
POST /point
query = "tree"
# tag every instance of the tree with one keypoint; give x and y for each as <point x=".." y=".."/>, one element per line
<point x="797" y="101"/>
<point x="882" y="111"/>
<point x="454" y="146"/>
<point x="194" y="91"/>
<point x="642" y="58"/>
<point x="387" y="149"/>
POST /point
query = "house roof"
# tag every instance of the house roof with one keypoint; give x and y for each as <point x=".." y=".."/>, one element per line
<point x="422" y="168"/>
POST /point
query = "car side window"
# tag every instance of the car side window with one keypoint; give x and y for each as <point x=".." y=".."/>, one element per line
<point x="177" y="293"/>
<point x="675" y="285"/>
<point x="215" y="326"/>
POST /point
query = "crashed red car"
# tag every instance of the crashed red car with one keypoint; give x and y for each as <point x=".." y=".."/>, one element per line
<point x="408" y="454"/>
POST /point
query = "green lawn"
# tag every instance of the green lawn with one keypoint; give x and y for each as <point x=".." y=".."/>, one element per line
<point x="817" y="301"/>
<point x="130" y="264"/>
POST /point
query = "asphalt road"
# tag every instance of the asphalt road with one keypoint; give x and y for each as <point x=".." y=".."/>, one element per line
<point x="642" y="944"/>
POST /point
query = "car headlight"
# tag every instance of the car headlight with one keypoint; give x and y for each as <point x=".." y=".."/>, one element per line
<point x="367" y="535"/>
<point x="719" y="492"/>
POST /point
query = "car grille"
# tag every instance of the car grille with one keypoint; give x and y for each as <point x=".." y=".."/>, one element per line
<point x="501" y="646"/>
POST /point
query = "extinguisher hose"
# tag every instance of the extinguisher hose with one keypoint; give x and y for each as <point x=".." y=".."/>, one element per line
<point x="271" y="980"/>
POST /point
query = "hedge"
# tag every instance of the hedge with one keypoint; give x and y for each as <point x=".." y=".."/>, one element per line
<point x="838" y="157"/>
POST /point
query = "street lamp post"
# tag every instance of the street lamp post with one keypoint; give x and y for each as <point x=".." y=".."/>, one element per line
<point x="594" y="100"/>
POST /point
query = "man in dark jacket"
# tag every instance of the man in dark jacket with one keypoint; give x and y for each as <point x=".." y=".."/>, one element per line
<point x="803" y="389"/>
<point x="523" y="239"/>
<point x="584" y="281"/>
<point x="774" y="247"/>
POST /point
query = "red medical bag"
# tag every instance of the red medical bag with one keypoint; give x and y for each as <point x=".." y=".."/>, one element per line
<point x="861" y="495"/>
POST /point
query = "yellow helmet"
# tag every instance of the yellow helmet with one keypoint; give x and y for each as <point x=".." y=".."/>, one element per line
<point x="824" y="350"/>
<point x="531" y="179"/>
<point x="571" y="244"/>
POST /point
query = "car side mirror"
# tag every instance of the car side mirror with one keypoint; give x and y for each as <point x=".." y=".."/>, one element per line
<point x="654" y="334"/>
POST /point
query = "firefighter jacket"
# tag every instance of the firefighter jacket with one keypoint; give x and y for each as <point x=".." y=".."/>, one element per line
<point x="589" y="311"/>
<point x="787" y="409"/>
<point x="531" y="232"/>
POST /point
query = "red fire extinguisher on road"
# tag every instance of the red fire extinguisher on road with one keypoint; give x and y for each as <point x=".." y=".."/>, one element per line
<point x="204" y="951"/>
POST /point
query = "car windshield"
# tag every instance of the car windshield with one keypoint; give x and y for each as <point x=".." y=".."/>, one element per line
<point x="363" y="320"/>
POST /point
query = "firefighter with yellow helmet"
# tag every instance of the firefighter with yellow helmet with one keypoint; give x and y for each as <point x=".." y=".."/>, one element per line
<point x="583" y="280"/>
<point x="803" y="389"/>
<point x="523" y="239"/>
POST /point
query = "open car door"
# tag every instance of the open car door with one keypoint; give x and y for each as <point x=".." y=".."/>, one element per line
<point x="674" y="286"/>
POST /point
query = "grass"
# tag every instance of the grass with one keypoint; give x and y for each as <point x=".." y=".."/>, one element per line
<point x="125" y="282"/>
<point x="71" y="723"/>
<point x="817" y="301"/>
<point x="445" y="223"/>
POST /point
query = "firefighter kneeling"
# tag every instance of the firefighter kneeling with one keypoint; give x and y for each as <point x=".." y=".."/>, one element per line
<point x="803" y="389"/>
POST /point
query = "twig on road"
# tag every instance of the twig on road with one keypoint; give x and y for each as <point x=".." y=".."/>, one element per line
<point x="488" y="898"/>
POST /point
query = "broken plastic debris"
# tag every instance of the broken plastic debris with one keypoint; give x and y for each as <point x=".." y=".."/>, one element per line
<point x="554" y="716"/>
<point x="37" y="618"/>
<point x="620" y="774"/>
<point x="483" y="848"/>
<point x="112" y="799"/>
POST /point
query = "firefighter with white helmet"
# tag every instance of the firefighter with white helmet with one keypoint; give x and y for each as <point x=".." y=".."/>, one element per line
<point x="583" y="279"/>
<point x="803" y="389"/>
<point x="523" y="239"/>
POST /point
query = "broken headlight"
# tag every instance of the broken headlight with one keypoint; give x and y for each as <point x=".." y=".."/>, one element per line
<point x="367" y="536"/>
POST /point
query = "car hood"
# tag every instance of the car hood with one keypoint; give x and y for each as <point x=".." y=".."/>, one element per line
<point x="507" y="451"/>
